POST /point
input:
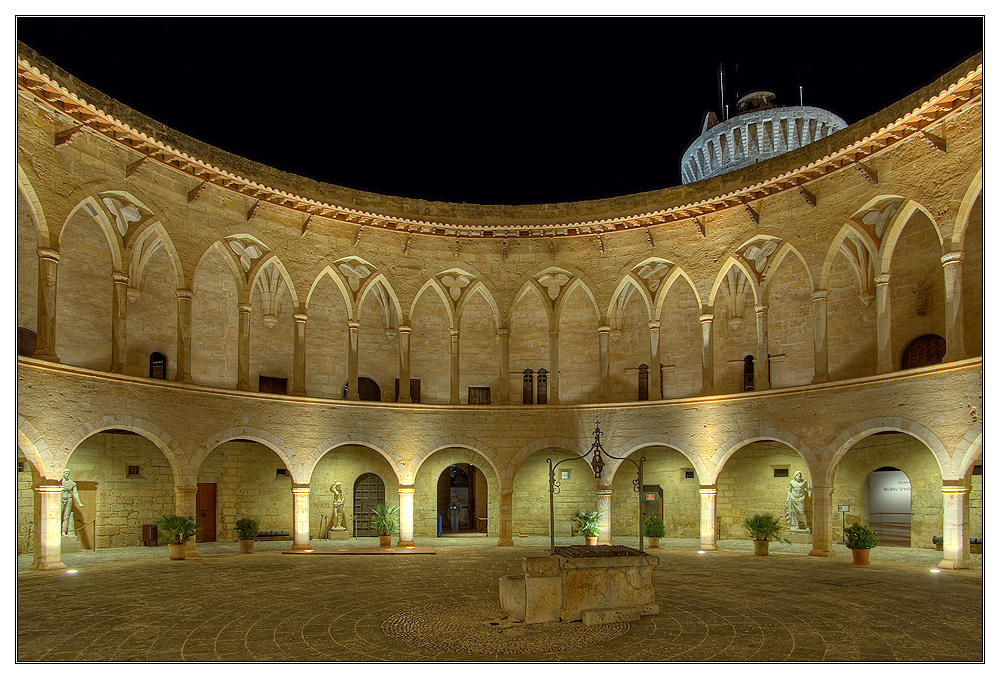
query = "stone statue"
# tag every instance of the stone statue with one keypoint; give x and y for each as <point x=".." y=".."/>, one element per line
<point x="795" y="503"/>
<point x="337" y="519"/>
<point x="68" y="496"/>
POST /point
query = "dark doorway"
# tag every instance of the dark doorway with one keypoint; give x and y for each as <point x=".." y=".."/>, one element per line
<point x="157" y="366"/>
<point x="369" y="490"/>
<point x="206" y="510"/>
<point x="748" y="373"/>
<point x="27" y="340"/>
<point x="462" y="500"/>
<point x="368" y="390"/>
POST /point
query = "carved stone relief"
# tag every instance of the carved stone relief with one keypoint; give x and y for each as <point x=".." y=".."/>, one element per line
<point x="553" y="283"/>
<point x="272" y="286"/>
<point x="355" y="272"/>
<point x="759" y="252"/>
<point x="737" y="291"/>
<point x="124" y="212"/>
<point x="247" y="251"/>
<point x="878" y="218"/>
<point x="653" y="273"/>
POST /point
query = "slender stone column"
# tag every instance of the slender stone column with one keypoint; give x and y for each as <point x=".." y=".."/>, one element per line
<point x="406" y="516"/>
<point x="822" y="502"/>
<point x="604" y="370"/>
<point x="954" y="311"/>
<point x="403" y="333"/>
<point x="553" y="366"/>
<point x="45" y="346"/>
<point x="300" y="516"/>
<point x="956" y="538"/>
<point x="456" y="396"/>
<point x="299" y="356"/>
<point x="48" y="519"/>
<point x="821" y="361"/>
<point x="604" y="505"/>
<point x="707" y="352"/>
<point x="708" y="494"/>
<point x="504" y="335"/>
<point x="353" y="333"/>
<point x="243" y="381"/>
<point x="119" y="306"/>
<point x="655" y="373"/>
<point x="506" y="522"/>
<point x="183" y="336"/>
<point x="762" y="377"/>
<point x="186" y="504"/>
<point x="883" y="328"/>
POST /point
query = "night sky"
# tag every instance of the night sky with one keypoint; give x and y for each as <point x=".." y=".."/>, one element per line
<point x="496" y="110"/>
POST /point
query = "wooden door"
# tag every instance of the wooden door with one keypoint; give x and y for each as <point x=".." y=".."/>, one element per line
<point x="368" y="492"/>
<point x="205" y="506"/>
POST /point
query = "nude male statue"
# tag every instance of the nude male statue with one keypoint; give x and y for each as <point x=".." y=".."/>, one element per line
<point x="68" y="496"/>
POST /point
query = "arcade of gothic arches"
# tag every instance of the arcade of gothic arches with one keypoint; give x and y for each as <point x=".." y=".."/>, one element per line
<point x="190" y="321"/>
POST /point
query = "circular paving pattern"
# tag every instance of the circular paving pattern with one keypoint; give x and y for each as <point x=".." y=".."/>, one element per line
<point x="478" y="627"/>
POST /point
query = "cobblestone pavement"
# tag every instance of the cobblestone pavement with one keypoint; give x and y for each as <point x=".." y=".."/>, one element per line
<point x="135" y="604"/>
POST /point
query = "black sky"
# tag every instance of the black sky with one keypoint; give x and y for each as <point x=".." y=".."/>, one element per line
<point x="496" y="110"/>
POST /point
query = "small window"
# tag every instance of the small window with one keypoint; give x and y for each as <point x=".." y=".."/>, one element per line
<point x="542" y="395"/>
<point x="281" y="472"/>
<point x="528" y="387"/>
<point x="272" y="385"/>
<point x="564" y="474"/>
<point x="479" y="396"/>
<point x="688" y="473"/>
<point x="157" y="366"/>
<point x="643" y="382"/>
<point x="977" y="469"/>
<point x="134" y="470"/>
<point x="20" y="467"/>
<point x="781" y="473"/>
<point x="27" y="341"/>
<point x="748" y="373"/>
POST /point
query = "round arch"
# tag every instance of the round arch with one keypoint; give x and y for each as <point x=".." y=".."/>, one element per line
<point x="160" y="438"/>
<point x="654" y="440"/>
<point x="308" y="464"/>
<point x="746" y="437"/>
<point x="846" y="440"/>
<point x="266" y="439"/>
<point x="36" y="449"/>
<point x="427" y="476"/>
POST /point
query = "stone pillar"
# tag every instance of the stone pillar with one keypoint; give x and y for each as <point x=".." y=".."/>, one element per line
<point x="403" y="333"/>
<point x="708" y="494"/>
<point x="762" y="377"/>
<point x="883" y="329"/>
<point x="186" y="504"/>
<point x="119" y="306"/>
<point x="553" y="366"/>
<point x="822" y="528"/>
<point x="184" y="298"/>
<point x="48" y="521"/>
<point x="707" y="353"/>
<point x="956" y="538"/>
<point x="604" y="505"/>
<point x="353" y="333"/>
<point x="243" y="381"/>
<point x="655" y="373"/>
<point x="300" y="516"/>
<point x="604" y="370"/>
<point x="953" y="309"/>
<point x="821" y="362"/>
<point x="299" y="356"/>
<point x="45" y="346"/>
<point x="406" y="515"/>
<point x="504" y="335"/>
<point x="456" y="396"/>
<point x="506" y="522"/>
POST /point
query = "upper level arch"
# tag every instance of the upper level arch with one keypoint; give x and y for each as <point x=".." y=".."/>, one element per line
<point x="843" y="443"/>
<point x="895" y="230"/>
<point x="35" y="205"/>
<point x="957" y="237"/>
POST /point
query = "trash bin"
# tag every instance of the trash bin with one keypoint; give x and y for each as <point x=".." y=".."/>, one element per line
<point x="150" y="534"/>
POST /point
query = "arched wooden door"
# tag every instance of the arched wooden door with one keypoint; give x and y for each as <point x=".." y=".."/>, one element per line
<point x="369" y="490"/>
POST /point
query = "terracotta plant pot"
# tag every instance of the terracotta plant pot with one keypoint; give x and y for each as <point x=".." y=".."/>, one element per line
<point x="654" y="543"/>
<point x="590" y="539"/>
<point x="246" y="546"/>
<point x="760" y="547"/>
<point x="861" y="556"/>
<point x="384" y="540"/>
<point x="177" y="552"/>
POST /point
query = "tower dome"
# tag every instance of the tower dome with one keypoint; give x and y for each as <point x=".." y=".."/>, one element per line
<point x="760" y="130"/>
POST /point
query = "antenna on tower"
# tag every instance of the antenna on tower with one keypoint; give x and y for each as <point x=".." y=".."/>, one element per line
<point x="722" y="92"/>
<point x="800" y="96"/>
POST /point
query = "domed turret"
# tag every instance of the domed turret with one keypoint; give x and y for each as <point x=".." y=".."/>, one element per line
<point x="760" y="130"/>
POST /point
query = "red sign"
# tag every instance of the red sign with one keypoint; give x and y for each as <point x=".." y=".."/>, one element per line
<point x="650" y="497"/>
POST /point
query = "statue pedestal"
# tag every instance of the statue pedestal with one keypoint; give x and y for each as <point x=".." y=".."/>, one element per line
<point x="70" y="543"/>
<point x="797" y="536"/>
<point x="338" y="534"/>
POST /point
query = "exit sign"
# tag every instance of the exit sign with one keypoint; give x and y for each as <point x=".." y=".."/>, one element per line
<point x="650" y="497"/>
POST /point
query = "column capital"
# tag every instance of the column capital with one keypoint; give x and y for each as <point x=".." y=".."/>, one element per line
<point x="553" y="334"/>
<point x="955" y="490"/>
<point x="708" y="490"/>
<point x="603" y="329"/>
<point x="503" y="332"/>
<point x="407" y="489"/>
<point x="405" y="329"/>
<point x="300" y="318"/>
<point x="706" y="318"/>
<point x="183" y="293"/>
<point x="818" y="295"/>
<point x="48" y="253"/>
<point x="760" y="309"/>
<point x="353" y="325"/>
<point x="654" y="325"/>
<point x="300" y="489"/>
<point x="882" y="279"/>
<point x="602" y="491"/>
<point x="49" y="490"/>
<point x="244" y="307"/>
<point x="119" y="277"/>
<point x="954" y="257"/>
<point x="453" y="332"/>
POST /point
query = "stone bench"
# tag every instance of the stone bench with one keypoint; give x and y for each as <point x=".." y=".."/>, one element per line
<point x="595" y="584"/>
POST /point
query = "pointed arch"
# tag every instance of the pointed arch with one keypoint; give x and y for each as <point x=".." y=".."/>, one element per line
<point x="737" y="262"/>
<point x="576" y="283"/>
<point x="531" y="286"/>
<point x="479" y="288"/>
<point x="895" y="230"/>
<point x="339" y="282"/>
<point x="239" y="278"/>
<point x="975" y="189"/>
<point x="434" y="285"/>
<point x="35" y="205"/>
<point x="272" y="258"/>
<point x="849" y="228"/>
<point x="137" y="255"/>
<point x="620" y="297"/>
<point x="94" y="208"/>
<point x="676" y="274"/>
<point x="768" y="274"/>
<point x="393" y="298"/>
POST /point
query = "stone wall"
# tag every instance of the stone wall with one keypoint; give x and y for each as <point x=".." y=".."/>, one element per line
<point x="25" y="504"/>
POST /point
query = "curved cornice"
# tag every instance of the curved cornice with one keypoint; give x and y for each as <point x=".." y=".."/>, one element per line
<point x="88" y="110"/>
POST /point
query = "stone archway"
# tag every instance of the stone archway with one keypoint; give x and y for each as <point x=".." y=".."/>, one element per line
<point x="426" y="491"/>
<point x="348" y="464"/>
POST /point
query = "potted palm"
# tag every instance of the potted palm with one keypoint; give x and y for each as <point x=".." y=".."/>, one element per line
<point x="385" y="523"/>
<point x="176" y="530"/>
<point x="246" y="531"/>
<point x="588" y="523"/>
<point x="860" y="540"/>
<point x="762" y="529"/>
<point x="653" y="529"/>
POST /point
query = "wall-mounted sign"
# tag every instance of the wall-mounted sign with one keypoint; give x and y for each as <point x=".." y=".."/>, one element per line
<point x="889" y="493"/>
<point x="843" y="508"/>
<point x="650" y="497"/>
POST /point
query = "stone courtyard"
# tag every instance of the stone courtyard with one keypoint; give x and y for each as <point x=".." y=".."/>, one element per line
<point x="135" y="605"/>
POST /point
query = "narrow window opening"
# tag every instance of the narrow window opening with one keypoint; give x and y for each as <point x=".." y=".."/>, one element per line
<point x="157" y="366"/>
<point x="748" y="373"/>
<point x="528" y="386"/>
<point x="643" y="382"/>
<point x="543" y="386"/>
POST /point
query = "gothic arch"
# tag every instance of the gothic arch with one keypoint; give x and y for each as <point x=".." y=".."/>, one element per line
<point x="257" y="271"/>
<point x="620" y="296"/>
<point x="531" y="286"/>
<point x="37" y="212"/>
<point x="676" y="274"/>
<point x="895" y="230"/>
<point x="339" y="282"/>
<point x="433" y="284"/>
<point x="137" y="255"/>
<point x="775" y="263"/>
<point x="737" y="262"/>
<point x="478" y="288"/>
<point x="831" y="254"/>
<point x="965" y="210"/>
<point x="239" y="277"/>
<point x="577" y="282"/>
<point x="93" y="207"/>
<point x="381" y="279"/>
